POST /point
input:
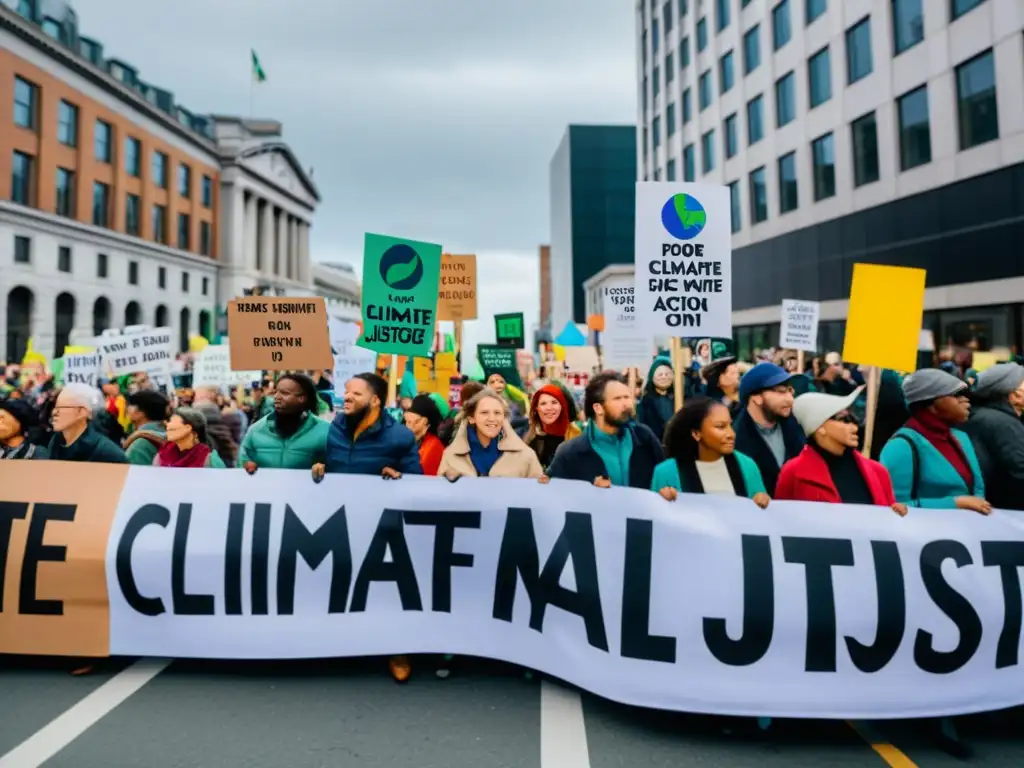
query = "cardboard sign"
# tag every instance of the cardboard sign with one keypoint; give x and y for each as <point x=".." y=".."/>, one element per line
<point x="799" y="325"/>
<point x="279" y="334"/>
<point x="456" y="290"/>
<point x="508" y="329"/>
<point x="82" y="368"/>
<point x="212" y="368"/>
<point x="883" y="326"/>
<point x="138" y="352"/>
<point x="422" y="368"/>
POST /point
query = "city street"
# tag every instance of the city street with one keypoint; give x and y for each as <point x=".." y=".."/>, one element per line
<point x="350" y="713"/>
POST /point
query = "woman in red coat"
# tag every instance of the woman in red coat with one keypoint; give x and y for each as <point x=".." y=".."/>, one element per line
<point x="830" y="469"/>
<point x="423" y="418"/>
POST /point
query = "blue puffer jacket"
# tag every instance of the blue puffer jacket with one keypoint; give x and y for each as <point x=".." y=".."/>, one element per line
<point x="385" y="444"/>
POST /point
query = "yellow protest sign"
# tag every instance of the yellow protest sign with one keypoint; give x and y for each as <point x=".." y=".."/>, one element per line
<point x="883" y="325"/>
<point x="445" y="361"/>
<point x="982" y="361"/>
<point x="421" y="368"/>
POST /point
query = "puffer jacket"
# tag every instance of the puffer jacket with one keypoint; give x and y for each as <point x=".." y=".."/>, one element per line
<point x="265" y="446"/>
<point x="385" y="443"/>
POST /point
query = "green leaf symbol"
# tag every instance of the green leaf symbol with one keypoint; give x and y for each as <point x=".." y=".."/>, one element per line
<point x="398" y="272"/>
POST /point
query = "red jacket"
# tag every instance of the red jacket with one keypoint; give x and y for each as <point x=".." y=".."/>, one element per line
<point x="431" y="450"/>
<point x="806" y="478"/>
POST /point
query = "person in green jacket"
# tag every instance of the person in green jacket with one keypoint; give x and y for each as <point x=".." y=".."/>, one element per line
<point x="147" y="410"/>
<point x="292" y="436"/>
<point x="701" y="447"/>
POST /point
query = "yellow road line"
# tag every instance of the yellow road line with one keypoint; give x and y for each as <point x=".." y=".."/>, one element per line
<point x="892" y="756"/>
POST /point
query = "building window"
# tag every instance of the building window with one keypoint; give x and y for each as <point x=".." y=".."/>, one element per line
<point x="656" y="132"/>
<point x="670" y="120"/>
<point x="907" y="24"/>
<point x="65" y="192"/>
<point x="133" y="157"/>
<point x="823" y="154"/>
<point x="26" y="103"/>
<point x="755" y="120"/>
<point x="101" y="141"/>
<point x="63" y="259"/>
<point x="731" y="136"/>
<point x="100" y="204"/>
<point x="160" y="169"/>
<point x="752" y="49"/>
<point x="689" y="170"/>
<point x="687" y="107"/>
<point x="184" y="282"/>
<point x="976" y="101"/>
<point x="858" y="51"/>
<point x="204" y="238"/>
<point x="725" y="72"/>
<point x="645" y="145"/>
<point x="184" y="180"/>
<point x="670" y="69"/>
<point x="67" y="124"/>
<point x="133" y="273"/>
<point x="643" y="95"/>
<point x="865" y="150"/>
<point x="915" y="129"/>
<point x="132" y="217"/>
<point x="702" y="34"/>
<point x="758" y="196"/>
<point x="781" y="31"/>
<point x="643" y="48"/>
<point x="160" y="223"/>
<point x="161" y="277"/>
<point x="819" y="77"/>
<point x="22" y="173"/>
<point x="101" y="265"/>
<point x="734" y="206"/>
<point x="787" y="183"/>
<point x="813" y="9"/>
<point x="958" y="8"/>
<point x="666" y="17"/>
<point x="705" y="90"/>
<point x="684" y="53"/>
<point x="22" y="250"/>
<point x="670" y="171"/>
<point x="785" y="100"/>
<point x="184" y="225"/>
<point x="655" y="82"/>
<point x="206" y="286"/>
<point x="723" y="14"/>
<point x="707" y="147"/>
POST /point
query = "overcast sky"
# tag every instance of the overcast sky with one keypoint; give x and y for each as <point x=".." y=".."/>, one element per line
<point x="429" y="119"/>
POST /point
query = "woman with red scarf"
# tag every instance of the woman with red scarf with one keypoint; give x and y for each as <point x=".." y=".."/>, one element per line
<point x="187" y="443"/>
<point x="550" y="423"/>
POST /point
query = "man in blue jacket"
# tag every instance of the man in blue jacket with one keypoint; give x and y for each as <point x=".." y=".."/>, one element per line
<point x="364" y="439"/>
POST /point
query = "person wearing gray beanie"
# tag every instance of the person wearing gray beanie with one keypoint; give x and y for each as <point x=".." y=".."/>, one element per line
<point x="997" y="432"/>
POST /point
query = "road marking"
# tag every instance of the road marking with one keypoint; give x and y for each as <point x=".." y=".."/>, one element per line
<point x="65" y="728"/>
<point x="892" y="756"/>
<point x="563" y="731"/>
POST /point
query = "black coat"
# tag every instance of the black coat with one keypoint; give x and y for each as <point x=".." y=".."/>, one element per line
<point x="91" y="446"/>
<point x="750" y="442"/>
<point x="576" y="459"/>
<point x="997" y="435"/>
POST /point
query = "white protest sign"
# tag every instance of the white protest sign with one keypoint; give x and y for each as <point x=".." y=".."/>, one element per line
<point x="799" y="325"/>
<point x="683" y="259"/>
<point x="137" y="352"/>
<point x="82" y="368"/>
<point x="212" y="368"/>
<point x="926" y="340"/>
<point x="625" y="342"/>
<point x="349" y="358"/>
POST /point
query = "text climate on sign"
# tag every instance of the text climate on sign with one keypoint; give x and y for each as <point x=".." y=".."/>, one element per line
<point x="625" y="343"/>
<point x="456" y="291"/>
<point x="683" y="259"/>
<point x="799" y="325"/>
<point x="279" y="334"/>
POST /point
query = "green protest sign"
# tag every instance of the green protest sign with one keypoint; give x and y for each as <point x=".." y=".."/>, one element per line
<point x="498" y="359"/>
<point x="508" y="329"/>
<point x="400" y="279"/>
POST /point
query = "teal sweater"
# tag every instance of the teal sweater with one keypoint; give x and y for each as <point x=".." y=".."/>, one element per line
<point x="938" y="484"/>
<point x="614" y="452"/>
<point x="270" y="450"/>
<point x="666" y="475"/>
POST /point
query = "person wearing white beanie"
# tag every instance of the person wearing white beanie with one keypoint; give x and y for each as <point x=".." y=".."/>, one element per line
<point x="830" y="469"/>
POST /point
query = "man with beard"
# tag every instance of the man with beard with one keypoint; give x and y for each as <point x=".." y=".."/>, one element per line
<point x="364" y="439"/>
<point x="765" y="429"/>
<point x="614" y="449"/>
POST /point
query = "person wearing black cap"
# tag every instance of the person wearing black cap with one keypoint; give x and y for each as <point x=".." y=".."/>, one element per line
<point x="16" y="418"/>
<point x="765" y="429"/>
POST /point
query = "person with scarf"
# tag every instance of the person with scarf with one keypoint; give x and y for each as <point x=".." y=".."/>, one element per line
<point x="830" y="469"/>
<point x="551" y="423"/>
<point x="933" y="464"/>
<point x="16" y="418"/>
<point x="657" y="404"/>
<point x="486" y="445"/>
<point x="188" y="443"/>
<point x="423" y="418"/>
<point x="148" y="413"/>
<point x="702" y="458"/>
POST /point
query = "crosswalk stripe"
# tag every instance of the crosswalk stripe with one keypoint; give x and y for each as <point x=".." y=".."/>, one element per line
<point x="563" y="731"/>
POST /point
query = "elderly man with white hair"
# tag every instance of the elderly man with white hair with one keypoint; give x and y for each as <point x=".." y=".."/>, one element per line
<point x="74" y="437"/>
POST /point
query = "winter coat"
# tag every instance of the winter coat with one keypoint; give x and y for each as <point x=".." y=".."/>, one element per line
<point x="997" y="434"/>
<point x="264" y="445"/>
<point x="517" y="458"/>
<point x="385" y="443"/>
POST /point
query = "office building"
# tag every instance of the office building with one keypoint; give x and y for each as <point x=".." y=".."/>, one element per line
<point x="336" y="281"/>
<point x="883" y="131"/>
<point x="593" y="191"/>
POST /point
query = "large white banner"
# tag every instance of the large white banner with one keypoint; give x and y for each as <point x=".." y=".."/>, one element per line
<point x="625" y="342"/>
<point x="705" y="604"/>
<point x="683" y="246"/>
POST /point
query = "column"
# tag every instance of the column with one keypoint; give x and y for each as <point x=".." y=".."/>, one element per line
<point x="293" y="249"/>
<point x="249" y="229"/>
<point x="304" y="265"/>
<point x="266" y="243"/>
<point x="290" y="243"/>
<point x="232" y="212"/>
<point x="281" y="257"/>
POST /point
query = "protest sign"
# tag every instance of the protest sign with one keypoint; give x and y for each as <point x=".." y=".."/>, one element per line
<point x="883" y="325"/>
<point x="349" y="358"/>
<point x="400" y="289"/>
<point x="456" y="297"/>
<point x="683" y="259"/>
<point x="147" y="351"/>
<point x="498" y="359"/>
<point x="811" y="610"/>
<point x="212" y="368"/>
<point x="279" y="334"/>
<point x="625" y="342"/>
<point x="508" y="330"/>
<point x="799" y="325"/>
<point x="82" y="368"/>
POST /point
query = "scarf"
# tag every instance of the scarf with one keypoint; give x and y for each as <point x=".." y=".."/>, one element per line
<point x="195" y="457"/>
<point x="483" y="459"/>
<point x="937" y="432"/>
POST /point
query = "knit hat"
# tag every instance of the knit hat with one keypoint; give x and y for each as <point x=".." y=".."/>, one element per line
<point x="930" y="384"/>
<point x="761" y="377"/>
<point x="815" y="408"/>
<point x="22" y="412"/>
<point x="1000" y="380"/>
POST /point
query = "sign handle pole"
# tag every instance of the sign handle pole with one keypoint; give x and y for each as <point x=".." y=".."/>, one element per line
<point x="631" y="379"/>
<point x="393" y="382"/>
<point x="676" y="348"/>
<point x="458" y="345"/>
<point x="874" y="380"/>
<point x="799" y="361"/>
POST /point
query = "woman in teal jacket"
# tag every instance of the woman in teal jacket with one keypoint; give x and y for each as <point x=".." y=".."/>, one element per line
<point x="933" y="464"/>
<point x="292" y="436"/>
<point x="701" y="446"/>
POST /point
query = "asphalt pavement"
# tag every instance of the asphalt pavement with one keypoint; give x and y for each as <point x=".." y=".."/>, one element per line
<point x="349" y="713"/>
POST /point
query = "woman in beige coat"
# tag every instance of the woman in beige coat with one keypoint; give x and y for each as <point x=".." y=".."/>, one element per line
<point x="486" y="445"/>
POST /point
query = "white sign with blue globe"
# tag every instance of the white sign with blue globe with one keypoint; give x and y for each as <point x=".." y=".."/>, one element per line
<point x="683" y="259"/>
